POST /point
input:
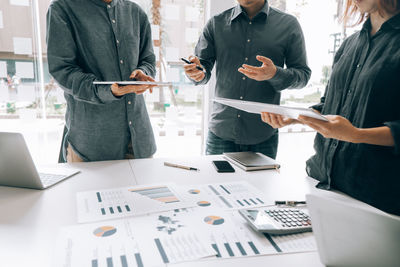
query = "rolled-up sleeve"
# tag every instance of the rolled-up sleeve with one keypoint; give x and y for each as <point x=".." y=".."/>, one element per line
<point x="147" y="60"/>
<point x="297" y="73"/>
<point x="62" y="59"/>
<point x="395" y="130"/>
<point x="205" y="51"/>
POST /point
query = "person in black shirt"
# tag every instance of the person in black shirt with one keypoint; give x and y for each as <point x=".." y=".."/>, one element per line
<point x="358" y="149"/>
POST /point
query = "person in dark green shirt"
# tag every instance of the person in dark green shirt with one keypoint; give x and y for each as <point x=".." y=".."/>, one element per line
<point x="358" y="149"/>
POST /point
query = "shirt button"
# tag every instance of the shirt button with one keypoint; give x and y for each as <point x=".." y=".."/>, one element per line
<point x="239" y="116"/>
<point x="244" y="78"/>
<point x="121" y="61"/>
<point x="108" y="6"/>
<point x="248" y="40"/>
<point x="241" y="97"/>
<point x="246" y="59"/>
<point x="250" y="23"/>
<point x="359" y="65"/>
<point x="117" y="41"/>
<point x="129" y="102"/>
<point x="130" y="123"/>
<point x="113" y="21"/>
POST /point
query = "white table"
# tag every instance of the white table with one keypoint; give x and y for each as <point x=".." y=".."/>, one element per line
<point x="30" y="219"/>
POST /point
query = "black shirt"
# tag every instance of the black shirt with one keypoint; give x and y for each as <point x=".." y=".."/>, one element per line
<point x="365" y="88"/>
<point x="231" y="39"/>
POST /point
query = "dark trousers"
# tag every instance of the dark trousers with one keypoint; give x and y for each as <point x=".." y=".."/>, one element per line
<point x="217" y="146"/>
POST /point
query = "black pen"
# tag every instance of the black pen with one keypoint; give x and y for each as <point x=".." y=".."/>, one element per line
<point x="188" y="62"/>
<point x="290" y="203"/>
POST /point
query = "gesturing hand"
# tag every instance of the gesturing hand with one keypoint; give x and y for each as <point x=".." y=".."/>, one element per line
<point x="265" y="72"/>
<point x="120" y="90"/>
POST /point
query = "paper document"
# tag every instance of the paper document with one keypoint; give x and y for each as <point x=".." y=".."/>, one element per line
<point x="226" y="196"/>
<point x="129" y="201"/>
<point x="135" y="83"/>
<point x="126" y="243"/>
<point x="257" y="108"/>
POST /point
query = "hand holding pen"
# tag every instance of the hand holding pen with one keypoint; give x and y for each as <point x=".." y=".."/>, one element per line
<point x="193" y="68"/>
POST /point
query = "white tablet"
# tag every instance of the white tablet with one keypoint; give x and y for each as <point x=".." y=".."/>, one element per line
<point x="134" y="83"/>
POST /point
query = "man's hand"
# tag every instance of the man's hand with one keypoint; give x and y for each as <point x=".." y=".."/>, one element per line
<point x="120" y="90"/>
<point x="276" y="121"/>
<point x="265" y="72"/>
<point x="192" y="72"/>
<point x="337" y="127"/>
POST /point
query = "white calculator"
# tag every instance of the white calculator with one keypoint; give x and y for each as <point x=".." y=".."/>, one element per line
<point x="277" y="220"/>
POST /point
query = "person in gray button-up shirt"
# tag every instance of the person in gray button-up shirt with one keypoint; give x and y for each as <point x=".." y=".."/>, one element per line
<point x="96" y="40"/>
<point x="252" y="33"/>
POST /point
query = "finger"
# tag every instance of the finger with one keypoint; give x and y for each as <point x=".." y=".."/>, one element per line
<point x="134" y="74"/>
<point x="312" y="120"/>
<point x="251" y="75"/>
<point x="274" y="120"/>
<point x="251" y="68"/>
<point x="281" y="122"/>
<point x="194" y="59"/>
<point x="187" y="67"/>
<point x="264" y="60"/>
<point x="198" y="75"/>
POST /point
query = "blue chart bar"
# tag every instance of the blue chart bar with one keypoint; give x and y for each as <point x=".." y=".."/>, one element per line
<point x="110" y="262"/>
<point x="241" y="204"/>
<point x="253" y="247"/>
<point x="124" y="262"/>
<point x="103" y="211"/>
<point x="127" y="208"/>
<point x="139" y="261"/>
<point x="98" y="196"/>
<point x="95" y="263"/>
<point x="119" y="209"/>
<point x="229" y="249"/>
<point x="213" y="189"/>
<point x="226" y="202"/>
<point x="255" y="203"/>
<point x="111" y="210"/>
<point x="240" y="247"/>
<point x="161" y="250"/>
<point x="259" y="200"/>
<point x="226" y="190"/>
<point x="277" y="248"/>
<point x="215" y="247"/>
<point x="245" y="201"/>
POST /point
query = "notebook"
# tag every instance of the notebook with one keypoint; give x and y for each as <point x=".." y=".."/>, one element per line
<point x="251" y="161"/>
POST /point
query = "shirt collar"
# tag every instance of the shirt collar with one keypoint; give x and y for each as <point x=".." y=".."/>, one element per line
<point x="104" y="4"/>
<point x="392" y="23"/>
<point x="238" y="10"/>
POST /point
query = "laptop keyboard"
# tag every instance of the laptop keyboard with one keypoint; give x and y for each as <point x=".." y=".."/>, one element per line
<point x="49" y="179"/>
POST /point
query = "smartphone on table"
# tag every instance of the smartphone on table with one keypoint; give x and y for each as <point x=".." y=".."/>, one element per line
<point x="223" y="166"/>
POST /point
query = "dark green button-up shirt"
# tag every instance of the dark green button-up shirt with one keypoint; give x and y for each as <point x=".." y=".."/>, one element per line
<point x="364" y="88"/>
<point x="89" y="40"/>
<point x="231" y="39"/>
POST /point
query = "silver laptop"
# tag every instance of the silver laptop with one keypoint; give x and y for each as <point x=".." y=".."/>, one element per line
<point x="17" y="168"/>
<point x="351" y="233"/>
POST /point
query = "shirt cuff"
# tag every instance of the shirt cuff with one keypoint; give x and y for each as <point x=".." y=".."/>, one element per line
<point x="276" y="81"/>
<point x="395" y="129"/>
<point x="105" y="94"/>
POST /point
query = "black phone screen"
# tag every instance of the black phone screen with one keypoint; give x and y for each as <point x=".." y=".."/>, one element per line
<point x="223" y="166"/>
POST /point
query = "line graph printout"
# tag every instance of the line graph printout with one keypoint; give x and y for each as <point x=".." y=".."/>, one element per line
<point x="129" y="201"/>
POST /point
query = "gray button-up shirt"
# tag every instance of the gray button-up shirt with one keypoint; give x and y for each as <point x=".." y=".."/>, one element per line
<point x="231" y="39"/>
<point x="93" y="41"/>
